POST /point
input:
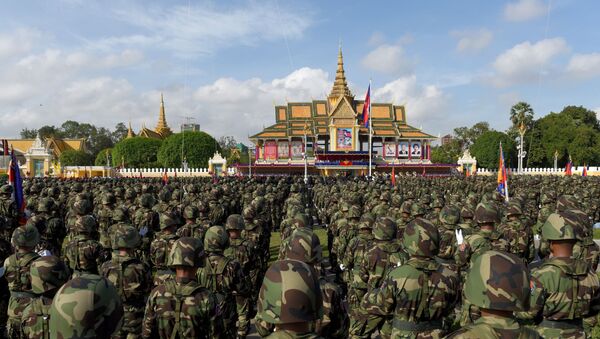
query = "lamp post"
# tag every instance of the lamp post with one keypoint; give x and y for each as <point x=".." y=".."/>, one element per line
<point x="555" y="160"/>
<point x="522" y="152"/>
<point x="306" y="130"/>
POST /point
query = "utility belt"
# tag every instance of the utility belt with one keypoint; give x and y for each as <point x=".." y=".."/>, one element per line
<point x="567" y="324"/>
<point x="418" y="326"/>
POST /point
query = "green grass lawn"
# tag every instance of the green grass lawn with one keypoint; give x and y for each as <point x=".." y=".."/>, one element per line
<point x="276" y="243"/>
<point x="596" y="233"/>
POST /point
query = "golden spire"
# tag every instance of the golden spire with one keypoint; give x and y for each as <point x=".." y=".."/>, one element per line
<point x="340" y="85"/>
<point x="162" y="128"/>
<point x="130" y="133"/>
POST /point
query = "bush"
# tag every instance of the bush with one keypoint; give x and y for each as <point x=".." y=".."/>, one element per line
<point x="486" y="150"/>
<point x="198" y="147"/>
<point x="101" y="157"/>
<point x="138" y="152"/>
<point x="75" y="158"/>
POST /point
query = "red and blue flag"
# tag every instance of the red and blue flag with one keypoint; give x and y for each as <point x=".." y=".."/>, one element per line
<point x="366" y="112"/>
<point x="15" y="180"/>
<point x="502" y="176"/>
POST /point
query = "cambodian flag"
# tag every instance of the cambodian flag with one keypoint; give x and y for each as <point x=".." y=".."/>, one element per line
<point x="584" y="173"/>
<point x="502" y="176"/>
<point x="366" y="112"/>
<point x="569" y="167"/>
<point x="15" y="180"/>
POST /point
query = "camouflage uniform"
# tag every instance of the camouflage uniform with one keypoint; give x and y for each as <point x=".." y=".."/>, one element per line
<point x="105" y="218"/>
<point x="355" y="251"/>
<point x="519" y="236"/>
<point x="48" y="274"/>
<point x="87" y="306"/>
<point x="181" y="306"/>
<point x="497" y="281"/>
<point x="448" y="220"/>
<point x="416" y="296"/>
<point x="17" y="274"/>
<point x="82" y="253"/>
<point x="191" y="228"/>
<point x="160" y="248"/>
<point x="131" y="278"/>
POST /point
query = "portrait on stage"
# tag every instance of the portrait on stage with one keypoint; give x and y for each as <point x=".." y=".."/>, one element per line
<point x="403" y="149"/>
<point x="283" y="150"/>
<point x="415" y="149"/>
<point x="297" y="148"/>
<point x="390" y="150"/>
<point x="344" y="139"/>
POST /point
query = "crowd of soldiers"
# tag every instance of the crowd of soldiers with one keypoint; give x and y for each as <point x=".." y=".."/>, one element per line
<point x="426" y="258"/>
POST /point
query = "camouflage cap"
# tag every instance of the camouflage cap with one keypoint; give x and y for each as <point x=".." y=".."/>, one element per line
<point x="125" y="236"/>
<point x="290" y="293"/>
<point x="87" y="306"/>
<point x="421" y="238"/>
<point x="498" y="281"/>
<point x="561" y="226"/>
<point x="120" y="214"/>
<point x="304" y="245"/>
<point x="417" y="208"/>
<point x="216" y="239"/>
<point x="235" y="222"/>
<point x="25" y="236"/>
<point x="190" y="212"/>
<point x="486" y="213"/>
<point x="450" y="215"/>
<point x="186" y="251"/>
<point x="384" y="229"/>
<point x="167" y="220"/>
<point x="48" y="273"/>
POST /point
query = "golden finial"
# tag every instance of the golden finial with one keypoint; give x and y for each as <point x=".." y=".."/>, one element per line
<point x="130" y="133"/>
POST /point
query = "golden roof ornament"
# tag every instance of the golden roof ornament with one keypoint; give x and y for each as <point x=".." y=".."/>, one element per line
<point x="162" y="128"/>
<point x="130" y="133"/>
<point x="340" y="85"/>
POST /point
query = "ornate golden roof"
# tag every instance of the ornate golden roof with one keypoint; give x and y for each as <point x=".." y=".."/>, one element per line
<point x="130" y="133"/>
<point x="340" y="85"/>
<point x="162" y="128"/>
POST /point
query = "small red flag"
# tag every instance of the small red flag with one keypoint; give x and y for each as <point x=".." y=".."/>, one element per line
<point x="165" y="178"/>
<point x="393" y="176"/>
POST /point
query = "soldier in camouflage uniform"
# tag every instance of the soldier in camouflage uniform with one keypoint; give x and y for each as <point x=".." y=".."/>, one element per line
<point x="131" y="278"/>
<point x="192" y="228"/>
<point x="449" y="217"/>
<point x="82" y="253"/>
<point x="563" y="289"/>
<point x="355" y="251"/>
<point x="404" y="218"/>
<point x="498" y="285"/>
<point x="8" y="211"/>
<point x="161" y="247"/>
<point x="120" y="217"/>
<point x="467" y="225"/>
<point x="53" y="230"/>
<point x="87" y="306"/>
<point x="182" y="308"/>
<point x="147" y="222"/>
<point x="347" y="229"/>
<point x="105" y="218"/>
<point x="415" y="297"/>
<point x="290" y="299"/>
<point x="17" y="267"/>
<point x="223" y="276"/>
<point x="48" y="274"/>
<point x="547" y="207"/>
<point x="519" y="236"/>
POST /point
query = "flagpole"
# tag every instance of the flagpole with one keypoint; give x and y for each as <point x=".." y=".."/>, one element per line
<point x="370" y="134"/>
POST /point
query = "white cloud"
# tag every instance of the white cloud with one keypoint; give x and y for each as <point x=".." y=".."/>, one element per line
<point x="524" y="10"/>
<point x="472" y="40"/>
<point x="388" y="59"/>
<point x="18" y="42"/>
<point x="584" y="65"/>
<point x="524" y="62"/>
<point x="203" y="28"/>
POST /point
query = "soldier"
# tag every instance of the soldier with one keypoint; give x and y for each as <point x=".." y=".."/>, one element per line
<point x="519" y="236"/>
<point x="161" y="247"/>
<point x="448" y="221"/>
<point x="467" y="225"/>
<point x="48" y="274"/>
<point x="82" y="253"/>
<point x="131" y="278"/>
<point x="191" y="228"/>
<point x="105" y="218"/>
<point x="120" y="217"/>
<point x="356" y="249"/>
<point x="563" y="289"/>
<point x="17" y="267"/>
<point x="404" y="218"/>
<point x="53" y="230"/>
<point x="416" y="296"/>
<point x="146" y="221"/>
<point x="497" y="284"/>
<point x="8" y="211"/>
<point x="223" y="276"/>
<point x="181" y="307"/>
<point x="290" y="299"/>
<point x="87" y="306"/>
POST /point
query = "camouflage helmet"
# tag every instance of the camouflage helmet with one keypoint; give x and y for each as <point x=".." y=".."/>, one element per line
<point x="384" y="229"/>
<point x="417" y="209"/>
<point x="130" y="194"/>
<point x="186" y="251"/>
<point x="437" y="203"/>
<point x="147" y="200"/>
<point x="249" y="213"/>
<point x="486" y="213"/>
<point x="405" y="207"/>
<point x="290" y="293"/>
<point x="85" y="225"/>
<point x="45" y="205"/>
<point x="566" y="202"/>
<point x="304" y="245"/>
<point x="466" y="213"/>
<point x="514" y="209"/>
<point x="125" y="236"/>
<point x="385" y="196"/>
<point x="190" y="212"/>
<point x="167" y="220"/>
<point x="48" y="273"/>
<point x="366" y="221"/>
<point x="25" y="236"/>
<point x="82" y="206"/>
<point x="354" y="212"/>
<point x="6" y="189"/>
<point x="120" y="213"/>
<point x="548" y="197"/>
<point x="87" y="306"/>
<point x="497" y="281"/>
<point x="216" y="239"/>
<point x="164" y="195"/>
<point x="421" y="239"/>
<point x="450" y="215"/>
<point x="300" y="220"/>
<point x="108" y="199"/>
<point x="235" y="222"/>
<point x="561" y="226"/>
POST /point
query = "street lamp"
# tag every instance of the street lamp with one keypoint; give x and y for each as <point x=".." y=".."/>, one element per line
<point x="555" y="160"/>
<point x="522" y="152"/>
<point x="306" y="130"/>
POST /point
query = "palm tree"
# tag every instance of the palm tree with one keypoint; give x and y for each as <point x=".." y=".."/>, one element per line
<point x="521" y="114"/>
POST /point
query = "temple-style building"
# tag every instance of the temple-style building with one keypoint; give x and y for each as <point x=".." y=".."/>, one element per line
<point x="162" y="129"/>
<point x="337" y="139"/>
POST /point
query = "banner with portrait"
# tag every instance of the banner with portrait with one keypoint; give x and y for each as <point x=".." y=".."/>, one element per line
<point x="283" y="150"/>
<point x="270" y="150"/>
<point x="389" y="149"/>
<point x="344" y="139"/>
<point x="415" y="149"/>
<point x="297" y="148"/>
<point x="403" y="149"/>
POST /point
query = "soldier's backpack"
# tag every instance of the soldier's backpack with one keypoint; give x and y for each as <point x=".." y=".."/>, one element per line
<point x="179" y="296"/>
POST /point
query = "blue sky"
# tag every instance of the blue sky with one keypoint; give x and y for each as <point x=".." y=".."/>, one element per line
<point x="225" y="63"/>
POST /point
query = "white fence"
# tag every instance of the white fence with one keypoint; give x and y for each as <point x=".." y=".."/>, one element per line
<point x="171" y="172"/>
<point x="576" y="170"/>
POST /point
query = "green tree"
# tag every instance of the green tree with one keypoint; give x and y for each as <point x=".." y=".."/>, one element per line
<point x="138" y="152"/>
<point x="50" y="132"/>
<point x="487" y="149"/>
<point x="27" y="133"/>
<point x="582" y="116"/>
<point x="466" y="136"/>
<point x="520" y="113"/>
<point x="120" y="132"/>
<point x="198" y="147"/>
<point x="103" y="157"/>
<point x="446" y="154"/>
<point x="75" y="158"/>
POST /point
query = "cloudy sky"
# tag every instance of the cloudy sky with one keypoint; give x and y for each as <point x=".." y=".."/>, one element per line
<point x="226" y="63"/>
